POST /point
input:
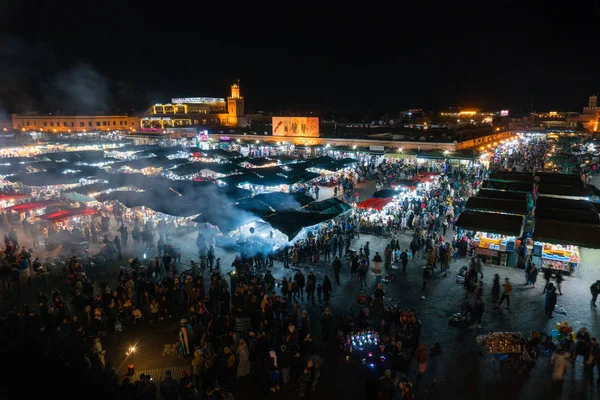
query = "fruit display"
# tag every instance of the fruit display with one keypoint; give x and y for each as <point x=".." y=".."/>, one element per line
<point x="556" y="265"/>
<point x="501" y="342"/>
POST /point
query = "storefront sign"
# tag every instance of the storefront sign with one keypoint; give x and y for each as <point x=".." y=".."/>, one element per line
<point x="486" y="252"/>
<point x="377" y="148"/>
<point x="225" y="138"/>
<point x="203" y="137"/>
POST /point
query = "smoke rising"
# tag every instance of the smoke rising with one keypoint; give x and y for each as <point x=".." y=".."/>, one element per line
<point x="81" y="89"/>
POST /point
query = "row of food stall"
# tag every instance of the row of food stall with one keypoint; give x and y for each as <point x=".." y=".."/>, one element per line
<point x="546" y="213"/>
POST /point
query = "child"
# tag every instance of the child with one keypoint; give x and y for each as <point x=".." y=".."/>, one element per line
<point x="319" y="292"/>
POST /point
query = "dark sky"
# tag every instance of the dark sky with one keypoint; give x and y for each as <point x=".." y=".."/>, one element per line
<point x="324" y="64"/>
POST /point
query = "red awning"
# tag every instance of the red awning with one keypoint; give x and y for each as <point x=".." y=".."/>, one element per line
<point x="375" y="203"/>
<point x="34" y="205"/>
<point x="66" y="214"/>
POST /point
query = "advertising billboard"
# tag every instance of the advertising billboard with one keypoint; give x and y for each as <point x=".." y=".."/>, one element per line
<point x="296" y="126"/>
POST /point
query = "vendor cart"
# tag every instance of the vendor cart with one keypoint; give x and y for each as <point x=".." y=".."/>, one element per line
<point x="506" y="347"/>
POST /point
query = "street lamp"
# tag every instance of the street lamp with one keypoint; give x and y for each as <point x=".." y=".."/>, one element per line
<point x="400" y="149"/>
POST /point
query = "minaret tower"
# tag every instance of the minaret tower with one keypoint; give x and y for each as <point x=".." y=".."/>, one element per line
<point x="235" y="103"/>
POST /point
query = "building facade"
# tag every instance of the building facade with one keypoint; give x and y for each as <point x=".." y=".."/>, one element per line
<point x="192" y="111"/>
<point x="74" y="123"/>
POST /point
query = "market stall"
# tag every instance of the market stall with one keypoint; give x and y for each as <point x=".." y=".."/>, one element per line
<point x="495" y="236"/>
<point x="557" y="243"/>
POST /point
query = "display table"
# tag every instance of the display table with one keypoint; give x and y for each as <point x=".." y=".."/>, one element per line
<point x="495" y="248"/>
<point x="557" y="257"/>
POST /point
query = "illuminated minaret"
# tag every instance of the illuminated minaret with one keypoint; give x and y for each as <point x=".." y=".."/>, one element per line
<point x="235" y="103"/>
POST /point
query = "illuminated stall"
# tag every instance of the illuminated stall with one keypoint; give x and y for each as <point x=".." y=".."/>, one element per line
<point x="495" y="236"/>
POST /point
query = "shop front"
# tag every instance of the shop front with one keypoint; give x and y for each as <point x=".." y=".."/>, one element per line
<point x="494" y="236"/>
<point x="557" y="244"/>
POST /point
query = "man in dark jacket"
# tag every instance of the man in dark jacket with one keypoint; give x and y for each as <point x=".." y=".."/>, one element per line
<point x="478" y="310"/>
<point x="326" y="326"/>
<point x="284" y="362"/>
<point x="337" y="267"/>
<point x="404" y="260"/>
<point x="595" y="289"/>
<point x="169" y="388"/>
<point x="300" y="282"/>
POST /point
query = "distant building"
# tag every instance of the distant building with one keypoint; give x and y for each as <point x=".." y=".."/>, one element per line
<point x="589" y="118"/>
<point x="296" y="126"/>
<point x="5" y="125"/>
<point x="192" y="111"/>
<point x="457" y="117"/>
<point x="74" y="123"/>
<point x="554" y="120"/>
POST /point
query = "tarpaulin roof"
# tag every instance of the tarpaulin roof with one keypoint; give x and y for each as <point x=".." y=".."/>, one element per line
<point x="226" y="221"/>
<point x="499" y="194"/>
<point x="376" y="203"/>
<point x="74" y="156"/>
<point x="66" y="214"/>
<point x="497" y="205"/>
<point x="563" y="232"/>
<point x="34" y="205"/>
<point x="381" y="194"/>
<point x="509" y="186"/>
<point x="506" y="176"/>
<point x="196" y="167"/>
<point x="489" y="222"/>
<point x="581" y="216"/>
<point x="290" y="223"/>
<point x="329" y="206"/>
<point x="578" y="190"/>
<point x="217" y="152"/>
<point x="564" y="204"/>
<point x="151" y="162"/>
<point x="284" y="201"/>
<point x="557" y="178"/>
<point x="93" y="188"/>
<point x="254" y="179"/>
<point x="162" y="201"/>
<point x="258" y="162"/>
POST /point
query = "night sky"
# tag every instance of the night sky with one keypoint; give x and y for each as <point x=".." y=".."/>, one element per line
<point x="321" y="64"/>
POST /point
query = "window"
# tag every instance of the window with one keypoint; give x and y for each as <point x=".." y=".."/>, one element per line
<point x="82" y="124"/>
<point x="51" y="123"/>
<point x="103" y="123"/>
<point x="132" y="123"/>
<point x="90" y="123"/>
<point x="35" y="124"/>
<point x="114" y="123"/>
<point x="72" y="123"/>
<point x="27" y="123"/>
<point x="65" y="123"/>
<point x="45" y="123"/>
<point x="97" y="123"/>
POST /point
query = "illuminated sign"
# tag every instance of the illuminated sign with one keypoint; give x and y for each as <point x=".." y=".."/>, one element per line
<point x="203" y="137"/>
<point x="225" y="138"/>
<point x="504" y="113"/>
<point x="296" y="126"/>
<point x="198" y="100"/>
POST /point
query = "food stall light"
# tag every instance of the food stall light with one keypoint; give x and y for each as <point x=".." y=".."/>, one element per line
<point x="400" y="149"/>
<point x="354" y="147"/>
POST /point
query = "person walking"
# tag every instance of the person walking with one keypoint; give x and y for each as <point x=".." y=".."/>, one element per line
<point x="561" y="360"/>
<point x="421" y="357"/>
<point x="527" y="272"/>
<point x="362" y="273"/>
<point x="496" y="289"/>
<point x="169" y="389"/>
<point x="547" y="276"/>
<point x="377" y="262"/>
<point x="326" y="325"/>
<point x="337" y="267"/>
<point x="595" y="289"/>
<point x="426" y="277"/>
<point x="478" y="310"/>
<point x="506" y="294"/>
<point x="550" y="301"/>
<point x="559" y="279"/>
<point x="404" y="260"/>
<point x="533" y="273"/>
<point x="327" y="288"/>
